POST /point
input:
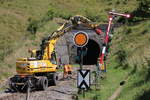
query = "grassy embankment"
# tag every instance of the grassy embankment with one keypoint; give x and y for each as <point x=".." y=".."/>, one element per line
<point x="19" y="19"/>
<point x="15" y="39"/>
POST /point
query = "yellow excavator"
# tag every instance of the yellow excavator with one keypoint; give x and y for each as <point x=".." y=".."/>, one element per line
<point x="39" y="70"/>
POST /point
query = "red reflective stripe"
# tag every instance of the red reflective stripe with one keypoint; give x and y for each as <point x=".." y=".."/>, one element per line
<point x="106" y="39"/>
<point x="98" y="31"/>
<point x="101" y="58"/>
<point x="108" y="29"/>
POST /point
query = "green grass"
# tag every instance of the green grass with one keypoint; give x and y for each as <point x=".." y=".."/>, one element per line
<point x="75" y="65"/>
<point x="134" y="88"/>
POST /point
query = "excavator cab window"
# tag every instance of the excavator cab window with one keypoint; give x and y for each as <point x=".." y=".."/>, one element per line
<point x="39" y="54"/>
<point x="53" y="58"/>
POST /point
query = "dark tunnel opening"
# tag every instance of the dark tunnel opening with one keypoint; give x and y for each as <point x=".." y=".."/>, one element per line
<point x="90" y="53"/>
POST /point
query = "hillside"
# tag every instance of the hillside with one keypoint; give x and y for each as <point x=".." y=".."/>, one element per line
<point x="15" y="40"/>
<point x="23" y="23"/>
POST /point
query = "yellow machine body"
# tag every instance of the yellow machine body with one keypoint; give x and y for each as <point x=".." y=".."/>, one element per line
<point x="24" y="66"/>
<point x="31" y="65"/>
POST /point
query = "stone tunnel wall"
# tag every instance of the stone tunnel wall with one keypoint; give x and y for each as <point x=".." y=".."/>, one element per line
<point x="66" y="51"/>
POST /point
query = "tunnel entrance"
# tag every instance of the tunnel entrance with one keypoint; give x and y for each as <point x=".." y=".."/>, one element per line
<point x="90" y="53"/>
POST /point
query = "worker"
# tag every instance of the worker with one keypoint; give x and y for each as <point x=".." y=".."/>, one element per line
<point x="101" y="67"/>
<point x="67" y="71"/>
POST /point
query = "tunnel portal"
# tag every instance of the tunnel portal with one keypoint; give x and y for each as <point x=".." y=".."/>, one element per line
<point x="90" y="53"/>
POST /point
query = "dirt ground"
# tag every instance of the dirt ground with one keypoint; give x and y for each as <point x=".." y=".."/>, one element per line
<point x="65" y="90"/>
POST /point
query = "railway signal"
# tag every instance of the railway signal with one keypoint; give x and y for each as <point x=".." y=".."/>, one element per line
<point x="83" y="76"/>
<point x="80" y="39"/>
<point x="106" y="39"/>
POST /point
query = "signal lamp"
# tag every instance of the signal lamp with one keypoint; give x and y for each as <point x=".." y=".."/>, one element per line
<point x="80" y="39"/>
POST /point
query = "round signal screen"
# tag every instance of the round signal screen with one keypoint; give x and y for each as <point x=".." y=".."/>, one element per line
<point x="80" y="39"/>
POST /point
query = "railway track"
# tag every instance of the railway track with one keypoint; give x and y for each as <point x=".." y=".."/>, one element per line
<point x="63" y="90"/>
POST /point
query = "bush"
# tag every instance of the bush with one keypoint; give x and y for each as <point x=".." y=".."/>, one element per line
<point x="33" y="26"/>
<point x="127" y="30"/>
<point x="66" y="16"/>
<point x="121" y="57"/>
<point x="117" y="2"/>
<point x="92" y="15"/>
<point x="1" y="56"/>
<point x="144" y="31"/>
<point x="143" y="9"/>
<point x="51" y="14"/>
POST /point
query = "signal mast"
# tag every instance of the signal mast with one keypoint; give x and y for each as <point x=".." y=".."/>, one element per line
<point x="112" y="14"/>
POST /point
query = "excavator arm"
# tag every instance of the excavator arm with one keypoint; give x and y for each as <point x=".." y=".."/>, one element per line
<point x="48" y="44"/>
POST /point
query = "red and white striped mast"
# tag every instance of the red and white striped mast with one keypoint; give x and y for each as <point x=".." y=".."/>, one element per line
<point x="106" y="40"/>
